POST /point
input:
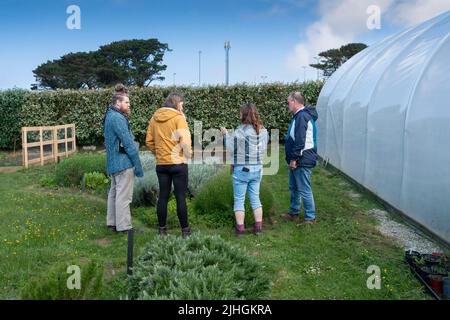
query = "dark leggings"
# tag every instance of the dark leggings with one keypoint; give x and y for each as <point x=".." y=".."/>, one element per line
<point x="178" y="174"/>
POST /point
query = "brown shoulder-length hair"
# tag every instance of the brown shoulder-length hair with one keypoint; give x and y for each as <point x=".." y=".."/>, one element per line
<point x="250" y="115"/>
<point x="173" y="100"/>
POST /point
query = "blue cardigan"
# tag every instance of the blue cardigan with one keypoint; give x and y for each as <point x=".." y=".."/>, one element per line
<point x="116" y="129"/>
<point x="246" y="146"/>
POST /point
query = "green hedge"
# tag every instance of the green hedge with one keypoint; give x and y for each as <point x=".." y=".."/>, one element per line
<point x="11" y="102"/>
<point x="215" y="106"/>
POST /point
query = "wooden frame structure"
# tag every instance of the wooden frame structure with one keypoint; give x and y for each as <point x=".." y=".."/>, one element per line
<point x="54" y="142"/>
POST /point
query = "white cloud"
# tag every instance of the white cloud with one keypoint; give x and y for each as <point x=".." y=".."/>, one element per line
<point x="320" y="37"/>
<point x="341" y="21"/>
<point x="410" y="13"/>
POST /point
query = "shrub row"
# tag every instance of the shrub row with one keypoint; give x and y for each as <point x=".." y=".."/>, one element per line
<point x="215" y="106"/>
<point x="70" y="172"/>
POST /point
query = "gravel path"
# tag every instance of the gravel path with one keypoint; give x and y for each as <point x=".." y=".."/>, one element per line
<point x="405" y="236"/>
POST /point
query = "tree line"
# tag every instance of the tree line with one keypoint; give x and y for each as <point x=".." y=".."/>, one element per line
<point x="139" y="63"/>
<point x="132" y="62"/>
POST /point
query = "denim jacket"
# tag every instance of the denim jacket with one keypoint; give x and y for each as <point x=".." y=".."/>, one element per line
<point x="116" y="130"/>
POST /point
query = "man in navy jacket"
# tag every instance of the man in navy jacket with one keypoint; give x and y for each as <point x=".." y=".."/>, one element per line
<point x="301" y="156"/>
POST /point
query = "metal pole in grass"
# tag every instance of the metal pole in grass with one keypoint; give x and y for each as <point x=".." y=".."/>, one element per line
<point x="130" y="252"/>
<point x="83" y="183"/>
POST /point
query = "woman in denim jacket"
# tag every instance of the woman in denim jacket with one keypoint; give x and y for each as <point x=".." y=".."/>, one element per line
<point x="247" y="144"/>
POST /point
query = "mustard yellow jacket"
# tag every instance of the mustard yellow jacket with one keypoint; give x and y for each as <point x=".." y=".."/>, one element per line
<point x="168" y="137"/>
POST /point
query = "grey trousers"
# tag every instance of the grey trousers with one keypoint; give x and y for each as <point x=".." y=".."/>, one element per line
<point x="119" y="199"/>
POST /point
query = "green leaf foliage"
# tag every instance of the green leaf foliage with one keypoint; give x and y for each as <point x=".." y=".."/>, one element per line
<point x="95" y="180"/>
<point x="11" y="102"/>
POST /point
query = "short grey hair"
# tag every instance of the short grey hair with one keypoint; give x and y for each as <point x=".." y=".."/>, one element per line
<point x="298" y="96"/>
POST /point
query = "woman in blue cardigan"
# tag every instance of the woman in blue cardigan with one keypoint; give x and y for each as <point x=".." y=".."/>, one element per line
<point x="247" y="144"/>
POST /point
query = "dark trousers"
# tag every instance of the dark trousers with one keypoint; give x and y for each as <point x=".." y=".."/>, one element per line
<point x="178" y="174"/>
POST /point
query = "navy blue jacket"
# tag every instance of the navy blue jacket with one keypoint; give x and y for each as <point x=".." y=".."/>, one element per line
<point x="300" y="140"/>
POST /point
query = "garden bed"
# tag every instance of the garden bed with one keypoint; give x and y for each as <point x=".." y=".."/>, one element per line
<point x="46" y="226"/>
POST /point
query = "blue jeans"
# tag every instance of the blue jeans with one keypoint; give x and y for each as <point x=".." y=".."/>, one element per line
<point x="243" y="181"/>
<point x="300" y="188"/>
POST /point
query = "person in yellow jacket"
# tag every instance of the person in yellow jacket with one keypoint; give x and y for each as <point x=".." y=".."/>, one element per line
<point x="169" y="139"/>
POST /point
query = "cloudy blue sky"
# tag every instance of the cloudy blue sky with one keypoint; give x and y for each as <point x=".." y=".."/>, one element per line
<point x="271" y="39"/>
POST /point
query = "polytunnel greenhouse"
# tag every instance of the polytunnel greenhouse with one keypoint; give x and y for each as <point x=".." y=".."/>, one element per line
<point x="384" y="120"/>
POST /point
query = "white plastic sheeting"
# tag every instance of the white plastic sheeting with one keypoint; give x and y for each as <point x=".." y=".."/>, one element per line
<point x="384" y="120"/>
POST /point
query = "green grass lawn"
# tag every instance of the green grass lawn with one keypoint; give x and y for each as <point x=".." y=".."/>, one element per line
<point x="42" y="227"/>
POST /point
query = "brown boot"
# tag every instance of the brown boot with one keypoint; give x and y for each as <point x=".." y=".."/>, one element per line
<point x="290" y="217"/>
